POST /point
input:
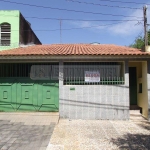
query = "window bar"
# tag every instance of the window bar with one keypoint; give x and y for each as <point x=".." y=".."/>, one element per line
<point x="74" y="80"/>
<point x="26" y="65"/>
<point x="99" y="74"/>
<point x="79" y="80"/>
<point x="11" y="69"/>
<point x="75" y="73"/>
<point x="27" y="70"/>
<point x="19" y="69"/>
<point x="117" y="80"/>
<point x="113" y="79"/>
<point x="89" y="69"/>
<point x="22" y="70"/>
<point x="94" y="70"/>
<point x="69" y="79"/>
<point x="29" y="67"/>
<point x="2" y="70"/>
<point x="1" y="75"/>
<point x="4" y="73"/>
<point x="82" y="72"/>
<point x="67" y="75"/>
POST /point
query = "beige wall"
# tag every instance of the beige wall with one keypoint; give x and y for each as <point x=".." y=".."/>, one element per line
<point x="142" y="98"/>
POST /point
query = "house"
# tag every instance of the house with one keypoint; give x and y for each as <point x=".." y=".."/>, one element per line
<point x="80" y="81"/>
<point x="15" y="30"/>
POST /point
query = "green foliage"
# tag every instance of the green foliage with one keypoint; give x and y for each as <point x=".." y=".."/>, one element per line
<point x="139" y="42"/>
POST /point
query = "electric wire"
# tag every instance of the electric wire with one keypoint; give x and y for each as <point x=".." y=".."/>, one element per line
<point x="104" y="25"/>
<point x="70" y="10"/>
<point x="70" y="19"/>
<point x="139" y="35"/>
<point x="126" y="2"/>
<point x="125" y="7"/>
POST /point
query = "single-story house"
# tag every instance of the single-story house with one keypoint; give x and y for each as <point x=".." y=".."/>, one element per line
<point x="80" y="81"/>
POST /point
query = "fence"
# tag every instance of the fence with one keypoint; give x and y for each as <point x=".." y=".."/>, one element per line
<point x="93" y="73"/>
<point x="35" y="71"/>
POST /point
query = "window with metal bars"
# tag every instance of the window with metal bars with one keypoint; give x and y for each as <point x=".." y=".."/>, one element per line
<point x="5" y="34"/>
<point x="93" y="73"/>
<point x="35" y="71"/>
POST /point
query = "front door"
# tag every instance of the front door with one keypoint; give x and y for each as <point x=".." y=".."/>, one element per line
<point x="133" y="85"/>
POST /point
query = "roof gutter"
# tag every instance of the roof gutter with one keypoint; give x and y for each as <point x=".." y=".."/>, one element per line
<point x="68" y="57"/>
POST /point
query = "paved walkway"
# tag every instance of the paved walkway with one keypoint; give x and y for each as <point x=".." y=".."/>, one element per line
<point x="26" y="131"/>
<point x="102" y="135"/>
<point x="40" y="131"/>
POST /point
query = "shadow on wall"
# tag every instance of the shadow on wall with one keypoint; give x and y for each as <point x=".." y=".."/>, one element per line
<point x="92" y="105"/>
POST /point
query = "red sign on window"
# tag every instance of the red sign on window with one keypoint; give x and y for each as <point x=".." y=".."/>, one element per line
<point x="92" y="76"/>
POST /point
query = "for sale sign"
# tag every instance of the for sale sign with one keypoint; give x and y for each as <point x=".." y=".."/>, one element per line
<point x="92" y="76"/>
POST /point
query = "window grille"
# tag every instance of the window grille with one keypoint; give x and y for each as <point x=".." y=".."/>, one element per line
<point x="5" y="34"/>
<point x="93" y="73"/>
<point x="35" y="71"/>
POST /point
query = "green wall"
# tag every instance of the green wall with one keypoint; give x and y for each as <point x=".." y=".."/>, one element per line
<point x="11" y="17"/>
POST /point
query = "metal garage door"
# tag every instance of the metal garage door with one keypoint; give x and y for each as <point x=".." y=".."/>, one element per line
<point x="24" y="88"/>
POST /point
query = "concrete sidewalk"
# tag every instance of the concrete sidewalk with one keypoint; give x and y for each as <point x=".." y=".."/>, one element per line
<point x="101" y="134"/>
<point x="40" y="131"/>
<point x="26" y="131"/>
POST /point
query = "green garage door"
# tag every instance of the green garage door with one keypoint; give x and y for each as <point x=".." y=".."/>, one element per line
<point x="26" y="94"/>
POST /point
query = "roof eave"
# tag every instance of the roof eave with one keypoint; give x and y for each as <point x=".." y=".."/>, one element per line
<point x="59" y="57"/>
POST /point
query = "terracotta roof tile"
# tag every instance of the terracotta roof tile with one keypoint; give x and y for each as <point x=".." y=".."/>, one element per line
<point x="73" y="49"/>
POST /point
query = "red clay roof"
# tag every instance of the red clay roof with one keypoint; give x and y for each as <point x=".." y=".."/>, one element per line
<point x="73" y="49"/>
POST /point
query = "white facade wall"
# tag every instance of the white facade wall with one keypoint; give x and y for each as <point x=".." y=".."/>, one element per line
<point x="94" y="101"/>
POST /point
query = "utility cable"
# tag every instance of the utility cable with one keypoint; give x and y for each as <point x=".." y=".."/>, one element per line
<point x="139" y="35"/>
<point x="70" y="10"/>
<point x="70" y="28"/>
<point x="127" y="2"/>
<point x="125" y="7"/>
<point x="69" y="19"/>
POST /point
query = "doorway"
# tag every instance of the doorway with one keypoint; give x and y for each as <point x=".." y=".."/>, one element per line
<point x="133" y="85"/>
<point x="138" y="94"/>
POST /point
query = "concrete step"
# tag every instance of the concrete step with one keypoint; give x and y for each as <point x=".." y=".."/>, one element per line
<point x="135" y="112"/>
<point x="136" y="107"/>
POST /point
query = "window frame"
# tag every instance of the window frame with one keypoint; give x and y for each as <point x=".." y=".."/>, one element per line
<point x="2" y="43"/>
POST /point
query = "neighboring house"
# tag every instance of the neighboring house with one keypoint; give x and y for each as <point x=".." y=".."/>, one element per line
<point x="15" y="30"/>
<point x="81" y="81"/>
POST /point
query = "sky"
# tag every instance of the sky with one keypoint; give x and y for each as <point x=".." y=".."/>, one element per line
<point x="83" y="21"/>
